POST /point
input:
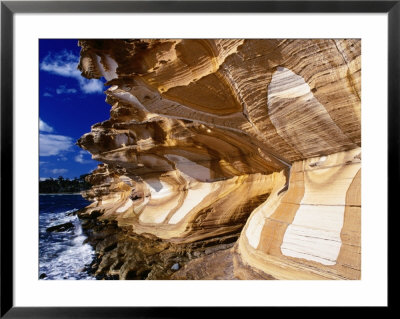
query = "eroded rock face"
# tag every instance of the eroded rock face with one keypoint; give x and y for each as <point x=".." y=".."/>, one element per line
<point x="314" y="228"/>
<point x="209" y="141"/>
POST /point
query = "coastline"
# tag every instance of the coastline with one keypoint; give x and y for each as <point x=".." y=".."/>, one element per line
<point x="63" y="254"/>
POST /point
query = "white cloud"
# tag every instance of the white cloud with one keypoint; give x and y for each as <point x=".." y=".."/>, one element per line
<point x="43" y="179"/>
<point x="65" y="64"/>
<point x="47" y="94"/>
<point x="80" y="157"/>
<point x="64" y="90"/>
<point x="91" y="86"/>
<point x="43" y="127"/>
<point x="59" y="170"/>
<point x="50" y="144"/>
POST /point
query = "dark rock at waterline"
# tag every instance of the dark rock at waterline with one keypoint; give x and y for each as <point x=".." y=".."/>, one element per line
<point x="93" y="266"/>
<point x="107" y="277"/>
<point x="60" y="228"/>
<point x="42" y="276"/>
<point x="121" y="255"/>
<point x="93" y="215"/>
<point x="72" y="213"/>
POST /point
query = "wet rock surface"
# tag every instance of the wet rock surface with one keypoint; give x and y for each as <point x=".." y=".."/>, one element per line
<point x="121" y="254"/>
<point x="61" y="227"/>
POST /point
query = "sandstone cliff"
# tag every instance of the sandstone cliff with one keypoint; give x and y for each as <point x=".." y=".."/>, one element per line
<point x="226" y="159"/>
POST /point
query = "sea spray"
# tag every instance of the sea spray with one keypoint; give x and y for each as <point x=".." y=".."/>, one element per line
<point x="62" y="254"/>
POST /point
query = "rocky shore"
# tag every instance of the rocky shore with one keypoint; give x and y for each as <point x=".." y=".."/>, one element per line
<point x="225" y="159"/>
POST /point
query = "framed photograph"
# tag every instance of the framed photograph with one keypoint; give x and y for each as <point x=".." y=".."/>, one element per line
<point x="160" y="155"/>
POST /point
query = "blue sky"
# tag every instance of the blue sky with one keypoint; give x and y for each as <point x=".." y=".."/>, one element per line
<point x="68" y="106"/>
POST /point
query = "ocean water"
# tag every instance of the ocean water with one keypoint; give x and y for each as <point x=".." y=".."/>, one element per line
<point x="62" y="255"/>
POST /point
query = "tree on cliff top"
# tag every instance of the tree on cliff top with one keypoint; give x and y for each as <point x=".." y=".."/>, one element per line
<point x="61" y="185"/>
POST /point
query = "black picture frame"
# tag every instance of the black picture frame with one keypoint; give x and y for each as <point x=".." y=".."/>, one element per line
<point x="9" y="8"/>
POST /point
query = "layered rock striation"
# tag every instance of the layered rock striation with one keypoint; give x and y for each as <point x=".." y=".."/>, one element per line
<point x="240" y="153"/>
